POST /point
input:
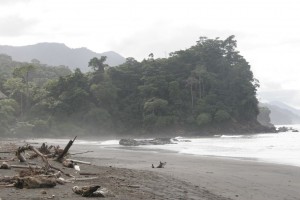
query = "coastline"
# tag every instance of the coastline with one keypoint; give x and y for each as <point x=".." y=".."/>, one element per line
<point x="184" y="177"/>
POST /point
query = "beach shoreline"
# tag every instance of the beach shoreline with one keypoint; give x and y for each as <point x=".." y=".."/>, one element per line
<point x="230" y="178"/>
<point x="184" y="177"/>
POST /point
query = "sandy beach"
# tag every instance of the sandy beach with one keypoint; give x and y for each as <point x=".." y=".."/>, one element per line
<point x="127" y="173"/>
<point x="229" y="178"/>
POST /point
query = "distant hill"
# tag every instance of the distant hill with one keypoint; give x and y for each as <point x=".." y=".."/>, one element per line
<point x="282" y="114"/>
<point x="56" y="54"/>
<point x="286" y="107"/>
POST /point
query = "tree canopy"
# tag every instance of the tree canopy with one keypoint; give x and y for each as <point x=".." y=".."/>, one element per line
<point x="208" y="85"/>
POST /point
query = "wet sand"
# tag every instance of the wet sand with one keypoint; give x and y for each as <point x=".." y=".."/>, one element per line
<point x="231" y="178"/>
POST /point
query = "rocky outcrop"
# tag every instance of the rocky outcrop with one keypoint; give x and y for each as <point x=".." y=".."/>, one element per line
<point x="128" y="142"/>
<point x="156" y="141"/>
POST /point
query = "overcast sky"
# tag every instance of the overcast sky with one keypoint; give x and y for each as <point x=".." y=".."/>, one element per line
<point x="267" y="31"/>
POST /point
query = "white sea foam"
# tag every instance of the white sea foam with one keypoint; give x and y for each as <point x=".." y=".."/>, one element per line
<point x="110" y="142"/>
<point x="231" y="136"/>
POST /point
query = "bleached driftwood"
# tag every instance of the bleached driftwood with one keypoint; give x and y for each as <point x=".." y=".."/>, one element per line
<point x="23" y="166"/>
<point x="7" y="160"/>
<point x="79" y="161"/>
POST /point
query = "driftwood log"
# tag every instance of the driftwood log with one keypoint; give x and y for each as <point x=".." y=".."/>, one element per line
<point x="65" y="151"/>
<point x="40" y="177"/>
<point x="19" y="154"/>
<point x="68" y="163"/>
<point x="161" y="165"/>
<point x="5" y="165"/>
<point x="88" y="191"/>
<point x="79" y="161"/>
<point x="7" y="160"/>
<point x="23" y="166"/>
<point x="47" y="165"/>
<point x="31" y="182"/>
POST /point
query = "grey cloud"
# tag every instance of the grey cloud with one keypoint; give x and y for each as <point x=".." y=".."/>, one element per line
<point x="12" y="26"/>
<point x="163" y="39"/>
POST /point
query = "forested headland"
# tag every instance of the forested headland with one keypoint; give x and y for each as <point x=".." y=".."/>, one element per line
<point x="207" y="88"/>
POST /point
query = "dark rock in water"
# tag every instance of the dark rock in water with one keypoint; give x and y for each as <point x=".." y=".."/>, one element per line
<point x="156" y="141"/>
<point x="128" y="142"/>
<point x="185" y="141"/>
<point x="286" y="129"/>
<point x="181" y="140"/>
<point x="161" y="141"/>
<point x="282" y="129"/>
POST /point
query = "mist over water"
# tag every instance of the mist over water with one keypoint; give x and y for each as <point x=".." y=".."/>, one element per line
<point x="280" y="148"/>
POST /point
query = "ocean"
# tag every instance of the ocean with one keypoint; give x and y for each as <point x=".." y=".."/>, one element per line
<point x="280" y="148"/>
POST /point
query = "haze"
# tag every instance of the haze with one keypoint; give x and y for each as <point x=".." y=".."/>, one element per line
<point x="267" y="32"/>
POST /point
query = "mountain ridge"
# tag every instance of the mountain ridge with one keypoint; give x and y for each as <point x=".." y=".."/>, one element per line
<point x="57" y="54"/>
<point x="282" y="114"/>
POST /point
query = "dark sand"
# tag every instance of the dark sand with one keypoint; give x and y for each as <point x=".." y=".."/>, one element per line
<point x="184" y="177"/>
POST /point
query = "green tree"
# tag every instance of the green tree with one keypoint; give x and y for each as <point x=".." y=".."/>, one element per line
<point x="23" y="73"/>
<point x="204" y="119"/>
<point x="8" y="110"/>
<point x="98" y="64"/>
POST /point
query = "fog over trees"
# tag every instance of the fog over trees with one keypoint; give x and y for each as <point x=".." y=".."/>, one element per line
<point x="208" y="86"/>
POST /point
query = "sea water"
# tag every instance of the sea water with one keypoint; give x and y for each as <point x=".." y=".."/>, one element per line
<point x="281" y="148"/>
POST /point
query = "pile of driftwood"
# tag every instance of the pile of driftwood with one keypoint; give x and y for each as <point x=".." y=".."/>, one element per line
<point x="42" y="174"/>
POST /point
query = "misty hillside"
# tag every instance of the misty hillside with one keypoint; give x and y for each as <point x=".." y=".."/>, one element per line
<point x="286" y="107"/>
<point x="282" y="114"/>
<point x="203" y="90"/>
<point x="56" y="54"/>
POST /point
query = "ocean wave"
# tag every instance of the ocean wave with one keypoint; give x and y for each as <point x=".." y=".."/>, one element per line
<point x="232" y="136"/>
<point x="110" y="142"/>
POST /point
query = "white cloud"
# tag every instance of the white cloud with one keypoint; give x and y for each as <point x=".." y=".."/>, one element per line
<point x="15" y="26"/>
<point x="12" y="2"/>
